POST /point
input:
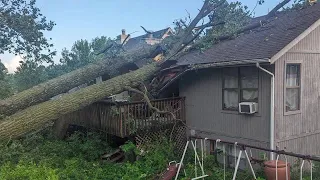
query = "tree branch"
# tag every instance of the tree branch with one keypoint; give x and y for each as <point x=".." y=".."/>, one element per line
<point x="105" y="49"/>
<point x="206" y="9"/>
<point x="275" y="9"/>
<point x="145" y="30"/>
<point x="210" y="24"/>
<point x="257" y="24"/>
<point x="146" y="98"/>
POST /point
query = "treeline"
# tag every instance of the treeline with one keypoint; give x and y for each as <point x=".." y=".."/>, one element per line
<point x="30" y="72"/>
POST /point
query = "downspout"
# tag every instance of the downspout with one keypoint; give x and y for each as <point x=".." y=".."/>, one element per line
<point x="272" y="126"/>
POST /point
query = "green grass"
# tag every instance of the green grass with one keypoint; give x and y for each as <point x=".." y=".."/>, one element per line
<point x="42" y="157"/>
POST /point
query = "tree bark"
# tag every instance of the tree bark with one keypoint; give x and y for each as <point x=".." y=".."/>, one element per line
<point x="37" y="116"/>
<point x="62" y="84"/>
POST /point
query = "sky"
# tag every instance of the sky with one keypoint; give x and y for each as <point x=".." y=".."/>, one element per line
<point x="87" y="19"/>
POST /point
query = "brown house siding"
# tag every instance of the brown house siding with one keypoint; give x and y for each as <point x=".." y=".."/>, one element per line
<point x="300" y="132"/>
<point x="203" y="92"/>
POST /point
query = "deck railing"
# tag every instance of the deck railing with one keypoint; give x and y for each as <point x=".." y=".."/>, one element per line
<point x="126" y="119"/>
<point x="138" y="116"/>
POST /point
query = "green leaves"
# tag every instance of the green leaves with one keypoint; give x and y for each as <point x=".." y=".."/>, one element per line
<point x="3" y="71"/>
<point x="21" y="28"/>
<point x="43" y="157"/>
<point x="5" y="82"/>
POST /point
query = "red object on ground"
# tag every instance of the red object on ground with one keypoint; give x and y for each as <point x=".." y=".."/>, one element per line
<point x="170" y="172"/>
<point x="270" y="170"/>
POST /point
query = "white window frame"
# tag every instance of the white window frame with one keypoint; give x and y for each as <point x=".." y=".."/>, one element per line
<point x="285" y="87"/>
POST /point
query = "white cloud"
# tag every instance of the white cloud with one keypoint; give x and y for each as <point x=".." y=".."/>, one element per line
<point x="12" y="64"/>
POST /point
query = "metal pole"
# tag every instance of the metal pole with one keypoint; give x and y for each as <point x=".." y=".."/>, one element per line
<point x="224" y="162"/>
<point x="305" y="157"/>
<point x="200" y="177"/>
<point x="237" y="166"/>
<point x="311" y="169"/>
<point x="194" y="148"/>
<point x="195" y="159"/>
<point x="235" y="154"/>
<point x="301" y="169"/>
<point x="277" y="166"/>
<point x="181" y="161"/>
<point x="251" y="168"/>
<point x="287" y="177"/>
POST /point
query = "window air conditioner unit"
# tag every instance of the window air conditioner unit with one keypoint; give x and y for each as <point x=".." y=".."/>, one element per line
<point x="248" y="107"/>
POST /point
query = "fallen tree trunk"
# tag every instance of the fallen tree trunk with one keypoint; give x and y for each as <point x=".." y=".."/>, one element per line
<point x="62" y="84"/>
<point x="35" y="117"/>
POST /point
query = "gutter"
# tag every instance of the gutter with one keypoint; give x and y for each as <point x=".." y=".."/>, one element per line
<point x="272" y="122"/>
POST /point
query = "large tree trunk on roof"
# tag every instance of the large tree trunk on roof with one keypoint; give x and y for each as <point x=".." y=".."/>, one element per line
<point x="62" y="84"/>
<point x="37" y="116"/>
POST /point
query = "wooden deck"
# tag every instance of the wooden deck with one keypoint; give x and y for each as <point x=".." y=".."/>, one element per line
<point x="125" y="119"/>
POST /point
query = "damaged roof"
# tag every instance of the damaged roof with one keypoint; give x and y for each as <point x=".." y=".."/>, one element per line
<point x="140" y="40"/>
<point x="260" y="43"/>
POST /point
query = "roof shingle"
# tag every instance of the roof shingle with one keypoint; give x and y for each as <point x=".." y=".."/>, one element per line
<point x="260" y="43"/>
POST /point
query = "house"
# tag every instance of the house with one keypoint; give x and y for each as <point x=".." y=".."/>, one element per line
<point x="275" y="66"/>
<point x="150" y="38"/>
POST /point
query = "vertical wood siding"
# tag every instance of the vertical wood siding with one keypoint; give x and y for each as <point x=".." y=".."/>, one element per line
<point x="203" y="92"/>
<point x="300" y="132"/>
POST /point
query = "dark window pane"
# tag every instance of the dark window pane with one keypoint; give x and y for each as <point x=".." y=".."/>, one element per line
<point x="230" y="76"/>
<point x="249" y="77"/>
<point x="292" y="99"/>
<point x="230" y="99"/>
<point x="293" y="75"/>
<point x="249" y="95"/>
<point x="230" y="82"/>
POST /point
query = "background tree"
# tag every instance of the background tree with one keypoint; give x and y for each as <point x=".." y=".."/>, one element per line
<point x="21" y="30"/>
<point x="29" y="74"/>
<point x="3" y="70"/>
<point x="5" y="87"/>
<point x="79" y="56"/>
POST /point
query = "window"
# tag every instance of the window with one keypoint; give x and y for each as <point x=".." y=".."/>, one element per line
<point x="239" y="85"/>
<point x="230" y="89"/>
<point x="293" y="86"/>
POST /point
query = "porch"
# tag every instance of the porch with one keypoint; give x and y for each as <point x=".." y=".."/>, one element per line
<point x="124" y="119"/>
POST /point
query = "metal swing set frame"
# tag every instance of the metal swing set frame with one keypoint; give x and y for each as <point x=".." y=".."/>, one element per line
<point x="243" y="149"/>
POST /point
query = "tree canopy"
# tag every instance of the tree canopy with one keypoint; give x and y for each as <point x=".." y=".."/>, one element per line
<point x="5" y="86"/>
<point x="22" y="28"/>
<point x="3" y="71"/>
